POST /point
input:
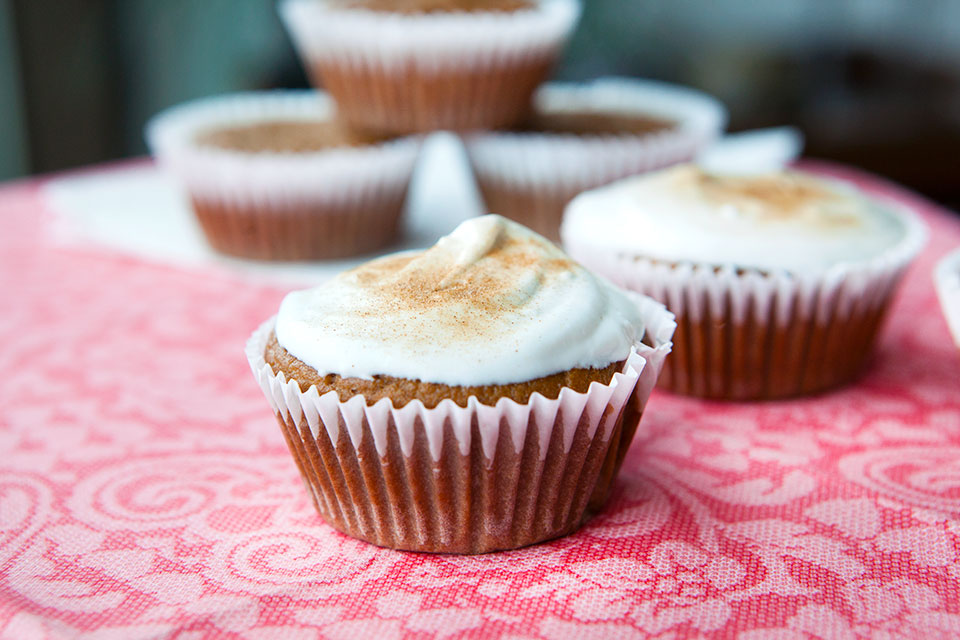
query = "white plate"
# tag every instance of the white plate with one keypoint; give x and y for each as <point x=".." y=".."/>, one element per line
<point x="139" y="210"/>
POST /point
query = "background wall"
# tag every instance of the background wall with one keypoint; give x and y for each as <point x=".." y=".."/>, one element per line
<point x="14" y="158"/>
<point x="875" y="83"/>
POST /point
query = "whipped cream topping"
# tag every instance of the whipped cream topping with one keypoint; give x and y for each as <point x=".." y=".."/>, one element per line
<point x="773" y="221"/>
<point x="491" y="303"/>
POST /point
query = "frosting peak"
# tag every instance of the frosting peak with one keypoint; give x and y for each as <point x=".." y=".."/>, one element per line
<point x="490" y="265"/>
<point x="491" y="303"/>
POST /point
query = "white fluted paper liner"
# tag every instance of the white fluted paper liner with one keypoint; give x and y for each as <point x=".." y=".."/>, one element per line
<point x="947" y="278"/>
<point x="272" y="180"/>
<point x="688" y="288"/>
<point x="747" y="334"/>
<point x="571" y="163"/>
<point x="427" y="42"/>
<point x="602" y="403"/>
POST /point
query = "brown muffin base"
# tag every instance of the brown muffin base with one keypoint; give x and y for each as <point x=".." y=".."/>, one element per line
<point x="402" y="101"/>
<point x="717" y="358"/>
<point x="464" y="504"/>
<point x="402" y="390"/>
<point x="283" y="136"/>
<point x="309" y="231"/>
<point x="589" y="123"/>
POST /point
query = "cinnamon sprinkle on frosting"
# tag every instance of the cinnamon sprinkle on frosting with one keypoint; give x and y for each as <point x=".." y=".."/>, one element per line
<point x="491" y="303"/>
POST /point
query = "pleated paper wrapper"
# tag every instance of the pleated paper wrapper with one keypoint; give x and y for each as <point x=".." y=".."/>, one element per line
<point x="745" y="334"/>
<point x="394" y="73"/>
<point x="331" y="203"/>
<point x="468" y="479"/>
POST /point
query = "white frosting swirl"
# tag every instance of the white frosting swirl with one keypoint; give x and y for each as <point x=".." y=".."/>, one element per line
<point x="491" y="303"/>
<point x="775" y="221"/>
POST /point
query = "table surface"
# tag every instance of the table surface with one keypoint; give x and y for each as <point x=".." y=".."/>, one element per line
<point x="146" y="491"/>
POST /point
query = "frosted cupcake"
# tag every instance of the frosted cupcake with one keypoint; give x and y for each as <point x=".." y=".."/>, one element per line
<point x="947" y="278"/>
<point x="583" y="136"/>
<point x="779" y="281"/>
<point x="476" y="396"/>
<point x="275" y="176"/>
<point x="423" y="65"/>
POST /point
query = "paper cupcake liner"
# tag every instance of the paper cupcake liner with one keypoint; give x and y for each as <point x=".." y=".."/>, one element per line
<point x="947" y="278"/>
<point x="402" y="73"/>
<point x="745" y="334"/>
<point x="330" y="203"/>
<point x="530" y="176"/>
<point x="464" y="479"/>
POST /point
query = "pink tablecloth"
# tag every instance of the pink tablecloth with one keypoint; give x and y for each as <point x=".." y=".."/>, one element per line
<point x="145" y="490"/>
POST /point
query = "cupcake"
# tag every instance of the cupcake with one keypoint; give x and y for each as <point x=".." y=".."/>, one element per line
<point x="475" y="396"/>
<point x="583" y="136"/>
<point x="274" y="176"/>
<point x="421" y="65"/>
<point x="947" y="278"/>
<point x="779" y="281"/>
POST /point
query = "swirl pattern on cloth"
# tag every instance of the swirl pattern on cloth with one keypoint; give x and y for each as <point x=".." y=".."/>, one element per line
<point x="145" y="490"/>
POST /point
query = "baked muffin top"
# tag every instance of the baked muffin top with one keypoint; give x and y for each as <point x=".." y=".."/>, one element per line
<point x="785" y="220"/>
<point x="436" y="6"/>
<point x="403" y="390"/>
<point x="594" y="123"/>
<point x="281" y="136"/>
<point x="491" y="303"/>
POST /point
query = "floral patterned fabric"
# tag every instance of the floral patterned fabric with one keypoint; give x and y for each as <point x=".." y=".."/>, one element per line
<point x="146" y="491"/>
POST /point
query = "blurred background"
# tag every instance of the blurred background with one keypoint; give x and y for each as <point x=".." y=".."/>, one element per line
<point x="871" y="83"/>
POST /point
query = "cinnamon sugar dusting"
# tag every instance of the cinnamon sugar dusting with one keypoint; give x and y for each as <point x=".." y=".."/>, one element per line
<point x="776" y="197"/>
<point x="491" y="303"/>
<point x="784" y="221"/>
<point x="470" y="280"/>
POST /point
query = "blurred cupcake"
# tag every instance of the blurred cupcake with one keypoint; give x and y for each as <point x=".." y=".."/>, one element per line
<point x="422" y="65"/>
<point x="582" y="136"/>
<point x="476" y="396"/>
<point x="779" y="281"/>
<point x="947" y="278"/>
<point x="274" y="176"/>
